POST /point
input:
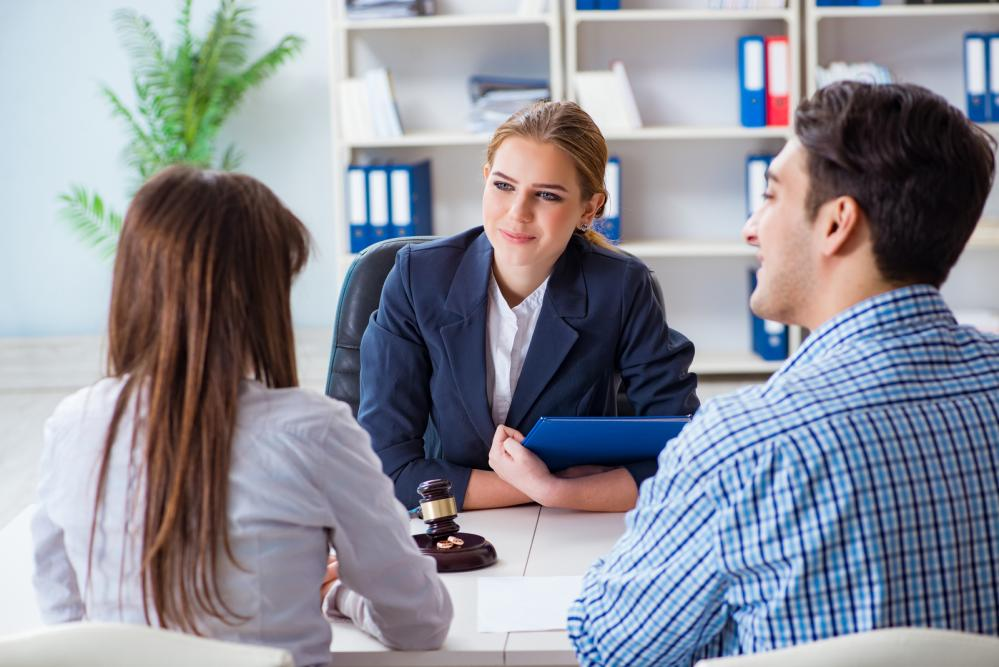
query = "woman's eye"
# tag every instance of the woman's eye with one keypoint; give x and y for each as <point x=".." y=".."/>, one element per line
<point x="549" y="196"/>
<point x="502" y="185"/>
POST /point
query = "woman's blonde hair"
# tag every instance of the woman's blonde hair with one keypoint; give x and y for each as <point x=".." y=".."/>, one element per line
<point x="567" y="126"/>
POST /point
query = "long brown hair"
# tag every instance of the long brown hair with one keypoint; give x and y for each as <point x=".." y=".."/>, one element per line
<point x="567" y="126"/>
<point x="200" y="301"/>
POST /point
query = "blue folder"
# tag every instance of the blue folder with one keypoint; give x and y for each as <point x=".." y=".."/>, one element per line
<point x="752" y="81"/>
<point x="976" y="75"/>
<point x="562" y="442"/>
<point x="409" y="190"/>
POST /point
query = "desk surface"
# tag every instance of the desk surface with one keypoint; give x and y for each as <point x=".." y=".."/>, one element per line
<point x="529" y="541"/>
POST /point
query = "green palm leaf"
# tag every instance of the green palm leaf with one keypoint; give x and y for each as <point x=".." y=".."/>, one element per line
<point x="184" y="95"/>
<point x="92" y="222"/>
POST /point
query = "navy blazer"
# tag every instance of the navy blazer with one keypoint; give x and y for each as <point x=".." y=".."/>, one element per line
<point x="423" y="356"/>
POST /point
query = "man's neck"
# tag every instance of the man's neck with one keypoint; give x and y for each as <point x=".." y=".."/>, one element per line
<point x="848" y="290"/>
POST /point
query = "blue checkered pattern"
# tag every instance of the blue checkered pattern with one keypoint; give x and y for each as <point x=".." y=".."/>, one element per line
<point x="857" y="489"/>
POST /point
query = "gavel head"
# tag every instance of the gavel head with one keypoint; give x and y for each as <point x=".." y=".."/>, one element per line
<point x="438" y="507"/>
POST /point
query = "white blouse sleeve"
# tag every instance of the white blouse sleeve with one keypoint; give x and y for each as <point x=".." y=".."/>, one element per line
<point x="54" y="578"/>
<point x="386" y="586"/>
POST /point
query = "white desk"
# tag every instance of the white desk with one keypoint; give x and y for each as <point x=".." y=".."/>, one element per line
<point x="529" y="541"/>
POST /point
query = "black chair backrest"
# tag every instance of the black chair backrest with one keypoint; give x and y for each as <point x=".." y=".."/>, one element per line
<point x="359" y="297"/>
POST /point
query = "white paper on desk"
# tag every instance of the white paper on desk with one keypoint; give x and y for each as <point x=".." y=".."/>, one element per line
<point x="517" y="604"/>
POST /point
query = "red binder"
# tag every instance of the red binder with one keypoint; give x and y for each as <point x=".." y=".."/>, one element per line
<point x="778" y="80"/>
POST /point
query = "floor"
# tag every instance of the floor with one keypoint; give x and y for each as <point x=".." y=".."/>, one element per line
<point x="37" y="373"/>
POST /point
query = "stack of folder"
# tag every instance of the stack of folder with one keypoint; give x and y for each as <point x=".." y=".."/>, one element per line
<point x="368" y="108"/>
<point x="495" y="98"/>
<point x="981" y="76"/>
<point x="388" y="9"/>
<point x="764" y="80"/>
<point x="387" y="201"/>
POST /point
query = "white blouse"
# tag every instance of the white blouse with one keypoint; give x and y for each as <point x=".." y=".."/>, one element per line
<point x="508" y="337"/>
<point x="303" y="477"/>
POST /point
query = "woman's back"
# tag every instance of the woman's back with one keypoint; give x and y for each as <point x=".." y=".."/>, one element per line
<point x="301" y="470"/>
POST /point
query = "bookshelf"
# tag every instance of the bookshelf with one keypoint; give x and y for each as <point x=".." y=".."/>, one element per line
<point x="683" y="202"/>
<point x="921" y="44"/>
<point x="430" y="59"/>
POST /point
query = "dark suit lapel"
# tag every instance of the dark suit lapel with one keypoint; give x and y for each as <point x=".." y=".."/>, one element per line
<point x="465" y="339"/>
<point x="565" y="298"/>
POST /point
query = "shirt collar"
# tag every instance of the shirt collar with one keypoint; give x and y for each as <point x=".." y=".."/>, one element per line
<point x="905" y="307"/>
<point x="532" y="302"/>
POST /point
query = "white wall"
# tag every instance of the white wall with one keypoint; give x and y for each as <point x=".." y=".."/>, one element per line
<point x="55" y="130"/>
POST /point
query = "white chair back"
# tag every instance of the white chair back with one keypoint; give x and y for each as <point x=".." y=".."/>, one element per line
<point x="890" y="647"/>
<point x="123" y="645"/>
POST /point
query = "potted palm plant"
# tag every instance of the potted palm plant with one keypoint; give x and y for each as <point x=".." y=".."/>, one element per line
<point x="184" y="95"/>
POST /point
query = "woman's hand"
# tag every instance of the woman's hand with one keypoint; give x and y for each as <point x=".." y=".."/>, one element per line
<point x="519" y="466"/>
<point x="332" y="574"/>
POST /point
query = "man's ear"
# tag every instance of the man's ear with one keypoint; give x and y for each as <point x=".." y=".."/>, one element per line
<point x="839" y="223"/>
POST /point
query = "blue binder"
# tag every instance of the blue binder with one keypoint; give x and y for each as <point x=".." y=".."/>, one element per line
<point x="357" y="206"/>
<point x="610" y="224"/>
<point x="562" y="442"/>
<point x="993" y="70"/>
<point x="769" y="338"/>
<point x="752" y="78"/>
<point x="608" y="4"/>
<point x="756" y="181"/>
<point x="379" y="201"/>
<point x="976" y="75"/>
<point x="586" y="4"/>
<point x="411" y="211"/>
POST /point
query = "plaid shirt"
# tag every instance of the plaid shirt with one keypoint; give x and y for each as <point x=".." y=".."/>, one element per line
<point x="857" y="489"/>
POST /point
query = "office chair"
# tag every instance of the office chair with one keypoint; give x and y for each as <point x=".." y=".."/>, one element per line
<point x="359" y="297"/>
<point x="890" y="647"/>
<point x="125" y="645"/>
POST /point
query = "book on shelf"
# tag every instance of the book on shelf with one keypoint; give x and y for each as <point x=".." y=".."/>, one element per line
<point x="764" y="80"/>
<point x="589" y="5"/>
<point x="388" y="200"/>
<point x="367" y="107"/>
<point x="389" y="9"/>
<point x="607" y="96"/>
<point x="495" y="98"/>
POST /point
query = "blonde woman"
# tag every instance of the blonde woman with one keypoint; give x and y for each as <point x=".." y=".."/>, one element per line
<point x="532" y="314"/>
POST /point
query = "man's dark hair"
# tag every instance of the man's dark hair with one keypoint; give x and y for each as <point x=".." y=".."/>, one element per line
<point x="919" y="169"/>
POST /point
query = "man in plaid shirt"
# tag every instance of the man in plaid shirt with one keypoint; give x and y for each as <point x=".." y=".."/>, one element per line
<point x="857" y="488"/>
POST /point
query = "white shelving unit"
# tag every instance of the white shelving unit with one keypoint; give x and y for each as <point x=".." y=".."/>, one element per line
<point x="921" y="44"/>
<point x="683" y="173"/>
<point x="430" y="59"/>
